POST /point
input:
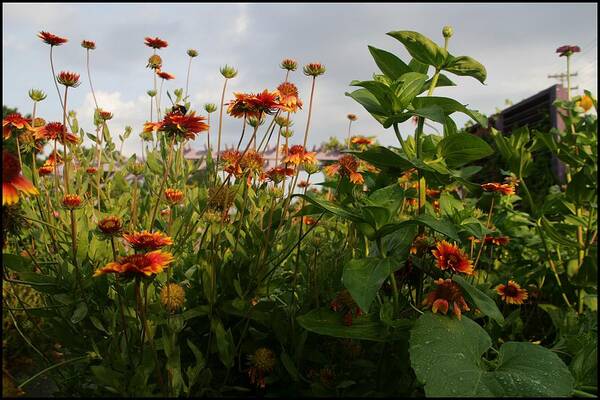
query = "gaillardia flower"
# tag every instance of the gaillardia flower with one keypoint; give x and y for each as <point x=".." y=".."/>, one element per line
<point x="567" y="50"/>
<point x="173" y="196"/>
<point x="88" y="44"/>
<point x="314" y="69"/>
<point x="91" y="170"/>
<point x="449" y="256"/>
<point x="14" y="121"/>
<point x="172" y="297"/>
<point x="352" y="117"/>
<point x="12" y="180"/>
<point x="72" y="201"/>
<point x="361" y="141"/>
<point x="56" y="131"/>
<point x="266" y="102"/>
<point x="241" y="106"/>
<point x="261" y="363"/>
<point x="146" y="240"/>
<point x="37" y="95"/>
<point x="503" y="188"/>
<point x="346" y="166"/>
<point x="447" y="294"/>
<point x="155" y="43"/>
<point x="111" y="225"/>
<point x="289" y="64"/>
<point x="297" y="155"/>
<point x="69" y="79"/>
<point x="512" y="293"/>
<point x="51" y="39"/>
<point x="174" y="123"/>
<point x="165" y="75"/>
<point x="154" y="62"/>
<point x="288" y="97"/>
<point x="147" y="264"/>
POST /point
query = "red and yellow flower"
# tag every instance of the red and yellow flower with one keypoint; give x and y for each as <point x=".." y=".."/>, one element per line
<point x="346" y="166"/>
<point x="288" y="97"/>
<point x="72" y="201"/>
<point x="12" y="180"/>
<point x="297" y="155"/>
<point x="69" y="79"/>
<point x="252" y="162"/>
<point x="512" y="293"/>
<point x="497" y="240"/>
<point x="146" y="264"/>
<point x="14" y="121"/>
<point x="231" y="162"/>
<point x="449" y="256"/>
<point x="155" y="43"/>
<point x="146" y="240"/>
<point x="51" y="39"/>
<point x="447" y="294"/>
<point x="266" y="102"/>
<point x="262" y="362"/>
<point x="111" y="225"/>
<point x="165" y="75"/>
<point x="187" y="126"/>
<point x="361" y="141"/>
<point x="504" y="188"/>
<point x="56" y="131"/>
<point x="241" y="106"/>
<point x="173" y="196"/>
<point x="277" y="174"/>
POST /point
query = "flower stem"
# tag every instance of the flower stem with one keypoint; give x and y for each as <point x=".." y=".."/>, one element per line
<point x="312" y="91"/>
<point x="220" y="125"/>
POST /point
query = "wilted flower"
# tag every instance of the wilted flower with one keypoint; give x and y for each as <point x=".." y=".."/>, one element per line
<point x="289" y="64"/>
<point x="146" y="240"/>
<point x="192" y="53"/>
<point x="72" y="201"/>
<point x="231" y="162"/>
<point x="252" y="161"/>
<point x="241" y="106"/>
<point x="51" y="39"/>
<point x="512" y="293"/>
<point x="165" y="75"/>
<point x="568" y="50"/>
<point x="155" y="43"/>
<point x="88" y="44"/>
<point x="146" y="264"/>
<point x="37" y="95"/>
<point x="154" y="62"/>
<point x="449" y="256"/>
<point x="314" y="69"/>
<point x="352" y="117"/>
<point x="173" y="196"/>
<point x="12" y="180"/>
<point x="172" y="297"/>
<point x="262" y="362"/>
<point x="210" y="107"/>
<point x="420" y="245"/>
<point x="346" y="166"/>
<point x="69" y="79"/>
<point x="228" y="72"/>
<point x="447" y="293"/>
<point x="111" y="225"/>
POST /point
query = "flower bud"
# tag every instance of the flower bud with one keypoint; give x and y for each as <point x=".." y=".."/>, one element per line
<point x="254" y="121"/>
<point x="154" y="62"/>
<point x="447" y="31"/>
<point x="228" y="72"/>
<point x="151" y="93"/>
<point x="135" y="168"/>
<point x="192" y="53"/>
<point x="287" y="133"/>
<point x="69" y="79"/>
<point x="352" y="117"/>
<point x="314" y="69"/>
<point x="210" y="107"/>
<point x="311" y="168"/>
<point x="289" y="64"/>
<point x="111" y="225"/>
<point x="37" y="95"/>
<point x="72" y="201"/>
<point x="88" y="44"/>
<point x="172" y="297"/>
<point x="283" y="121"/>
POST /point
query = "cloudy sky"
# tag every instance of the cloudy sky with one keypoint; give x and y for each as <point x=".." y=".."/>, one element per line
<point x="516" y="43"/>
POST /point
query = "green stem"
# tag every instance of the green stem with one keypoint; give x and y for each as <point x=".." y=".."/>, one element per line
<point x="42" y="372"/>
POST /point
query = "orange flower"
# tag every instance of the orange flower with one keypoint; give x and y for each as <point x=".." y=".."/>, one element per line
<point x="276" y="174"/>
<point x="433" y="193"/>
<point x="361" y="141"/>
<point x="497" y="240"/>
<point x="138" y="264"/>
<point x="54" y="159"/>
<point x="266" y="102"/>
<point x="187" y="126"/>
<point x="436" y="205"/>
<point x="72" y="201"/>
<point x="165" y="75"/>
<point x="91" y="170"/>
<point x="153" y="126"/>
<point x="586" y="103"/>
<point x="155" y="43"/>
<point x="352" y="117"/>
<point x="503" y="188"/>
<point x="173" y="196"/>
<point x="111" y="225"/>
<point x="512" y="293"/>
<point x="56" y="131"/>
<point x="51" y="39"/>
<point x="231" y="162"/>
<point x="88" y="44"/>
<point x="346" y="166"/>
<point x="14" y="121"/>
<point x="308" y="220"/>
<point x="252" y="161"/>
<point x="13" y="181"/>
<point x="412" y="202"/>
<point x="146" y="240"/>
<point x="45" y="169"/>
<point x="297" y="155"/>
<point x="448" y="293"/>
<point x="449" y="256"/>
<point x="407" y="175"/>
<point x="70" y="79"/>
<point x="289" y="100"/>
<point x="241" y="106"/>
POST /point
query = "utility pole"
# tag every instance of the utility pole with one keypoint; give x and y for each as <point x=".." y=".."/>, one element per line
<point x="562" y="77"/>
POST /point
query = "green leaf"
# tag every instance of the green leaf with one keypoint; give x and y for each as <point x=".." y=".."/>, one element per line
<point x="554" y="235"/>
<point x="421" y="48"/>
<point x="80" y="313"/>
<point x="417" y="66"/>
<point x="462" y="148"/>
<point x="446" y="355"/>
<point x="443" y="81"/>
<point x="449" y="106"/>
<point x="442" y="226"/>
<point x="481" y="300"/>
<point x="364" y="276"/>
<point x="225" y="344"/>
<point x="389" y="64"/>
<point x="383" y="157"/>
<point x="289" y="365"/>
<point x="323" y="321"/>
<point x="332" y="208"/>
<point x="370" y="103"/>
<point x="16" y="263"/>
<point x="381" y="92"/>
<point x="412" y="83"/>
<point x="466" y="66"/>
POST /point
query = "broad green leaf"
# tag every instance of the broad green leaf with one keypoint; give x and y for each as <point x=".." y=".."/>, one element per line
<point x="443" y="81"/>
<point x="412" y="83"/>
<point x="16" y="263"/>
<point x="421" y="48"/>
<point x="225" y="344"/>
<point x="446" y="355"/>
<point x="369" y="102"/>
<point x="417" y="66"/>
<point x="554" y="235"/>
<point x="389" y="64"/>
<point x="324" y="321"/>
<point x="364" y="276"/>
<point x="449" y="106"/>
<point x="463" y="148"/>
<point x="442" y="226"/>
<point x="331" y="207"/>
<point x="80" y="313"/>
<point x="381" y="92"/>
<point x="481" y="300"/>
<point x="466" y="66"/>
